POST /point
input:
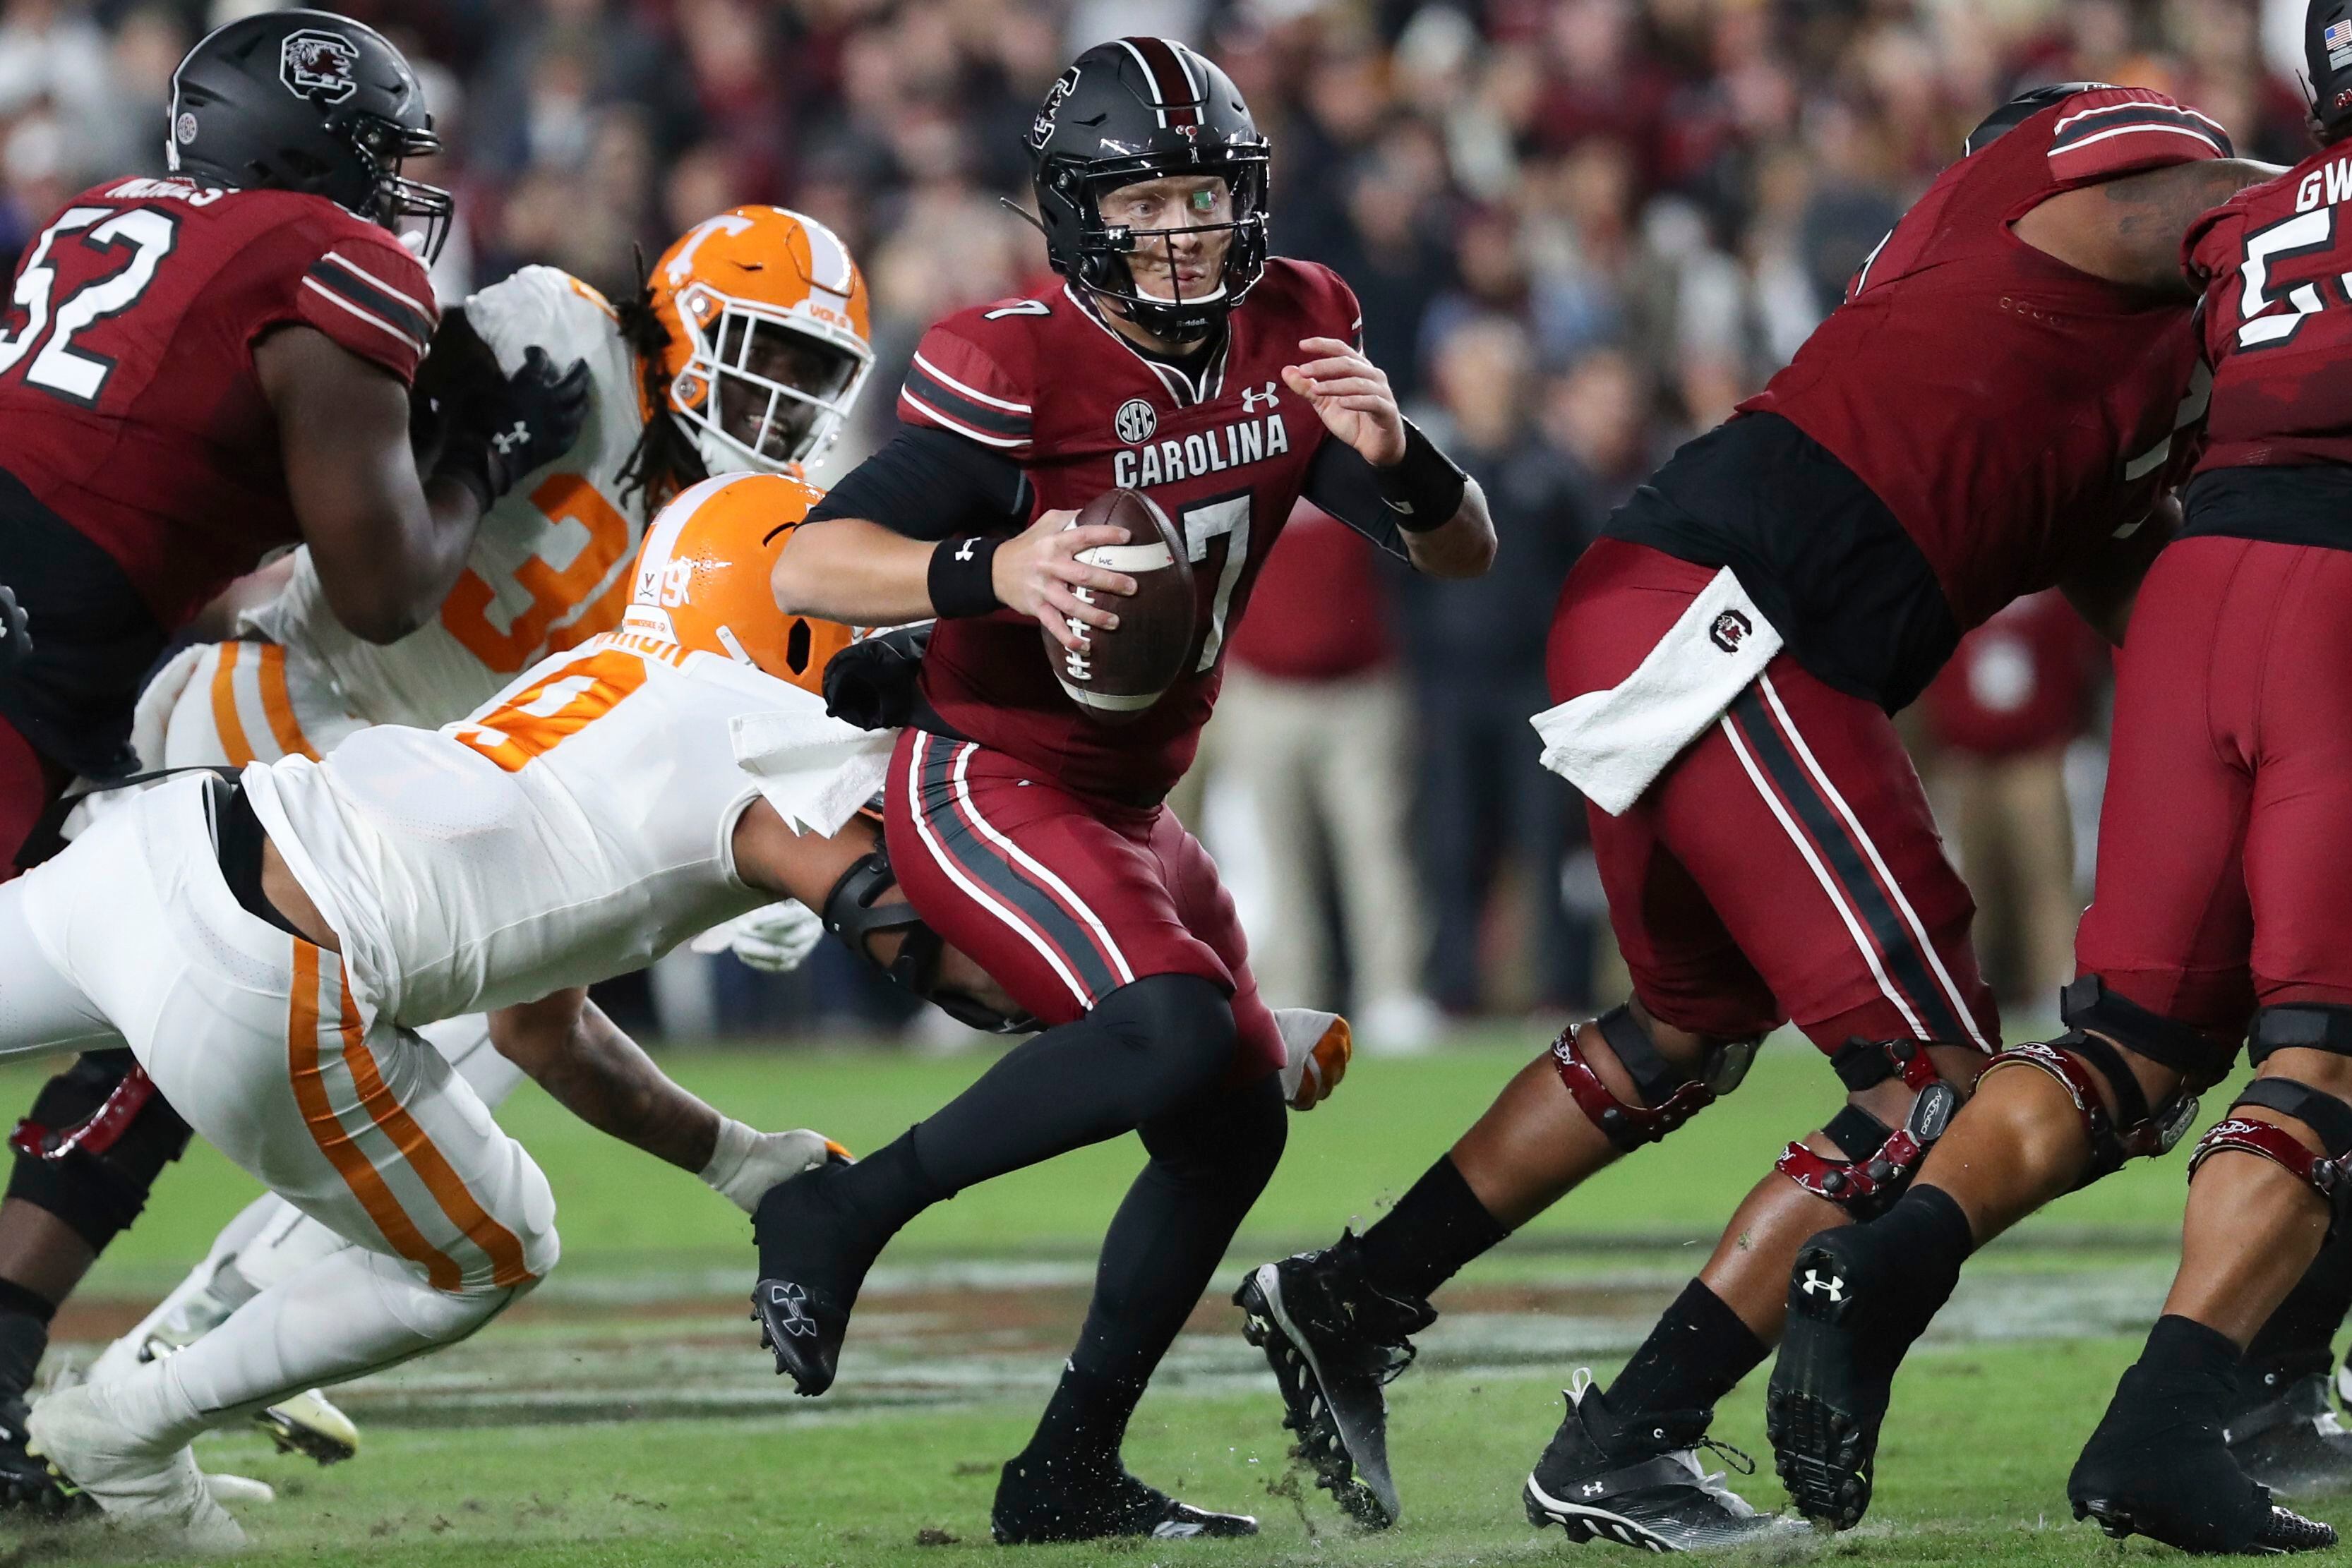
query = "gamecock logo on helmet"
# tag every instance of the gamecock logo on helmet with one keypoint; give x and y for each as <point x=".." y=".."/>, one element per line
<point x="1041" y="130"/>
<point x="1730" y="630"/>
<point x="318" y="65"/>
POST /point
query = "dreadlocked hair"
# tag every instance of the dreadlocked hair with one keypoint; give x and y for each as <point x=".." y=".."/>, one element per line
<point x="665" y="460"/>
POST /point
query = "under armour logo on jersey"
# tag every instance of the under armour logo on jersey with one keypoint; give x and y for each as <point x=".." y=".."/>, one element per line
<point x="792" y="1302"/>
<point x="507" y="441"/>
<point x="1253" y="399"/>
<point x="1834" y="1285"/>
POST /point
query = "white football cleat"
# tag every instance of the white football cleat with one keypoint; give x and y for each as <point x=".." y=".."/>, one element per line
<point x="310" y="1424"/>
<point x="94" y="1454"/>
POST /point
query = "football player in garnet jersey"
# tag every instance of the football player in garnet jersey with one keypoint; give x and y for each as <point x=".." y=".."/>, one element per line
<point x="195" y="370"/>
<point x="2222" y="844"/>
<point x="745" y="352"/>
<point x="1990" y="411"/>
<point x="1179" y="360"/>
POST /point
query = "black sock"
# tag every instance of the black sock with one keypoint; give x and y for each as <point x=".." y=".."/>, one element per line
<point x="23" y="1337"/>
<point x="2298" y="1341"/>
<point x="889" y="1187"/>
<point x="1694" y="1355"/>
<point x="1145" y="1049"/>
<point x="1432" y="1231"/>
<point x="1086" y="1418"/>
<point x="1930" y="1236"/>
<point x="2183" y="1345"/>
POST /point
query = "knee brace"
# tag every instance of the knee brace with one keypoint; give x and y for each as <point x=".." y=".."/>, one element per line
<point x="1668" y="1096"/>
<point x="1879" y="1160"/>
<point x="97" y="1137"/>
<point x="2328" y="1175"/>
<point x="2135" y="1129"/>
<point x="853" y="912"/>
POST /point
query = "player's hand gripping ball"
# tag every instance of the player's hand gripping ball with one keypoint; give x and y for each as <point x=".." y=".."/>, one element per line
<point x="1120" y="672"/>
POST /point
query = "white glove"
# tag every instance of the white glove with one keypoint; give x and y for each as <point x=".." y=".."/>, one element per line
<point x="748" y="1162"/>
<point x="1316" y="1048"/>
<point x="777" y="937"/>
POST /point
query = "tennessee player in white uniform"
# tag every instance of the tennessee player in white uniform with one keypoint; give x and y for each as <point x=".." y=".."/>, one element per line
<point x="267" y="949"/>
<point x="746" y="353"/>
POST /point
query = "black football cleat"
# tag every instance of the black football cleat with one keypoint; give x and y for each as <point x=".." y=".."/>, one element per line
<point x="1827" y="1399"/>
<point x="813" y="1258"/>
<point x="1640" y="1482"/>
<point x="1335" y="1343"/>
<point x="1041" y="1500"/>
<point x="2288" y="1436"/>
<point x="2157" y="1467"/>
<point x="28" y="1484"/>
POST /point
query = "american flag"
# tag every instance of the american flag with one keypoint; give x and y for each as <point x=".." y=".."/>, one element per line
<point x="2338" y="36"/>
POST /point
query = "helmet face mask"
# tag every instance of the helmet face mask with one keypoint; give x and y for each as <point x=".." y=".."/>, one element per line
<point x="418" y="213"/>
<point x="1134" y="111"/>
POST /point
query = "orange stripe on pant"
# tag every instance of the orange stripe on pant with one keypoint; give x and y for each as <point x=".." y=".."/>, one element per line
<point x="317" y="1110"/>
<point x="225" y="716"/>
<point x="505" y="1252"/>
<point x="278" y="705"/>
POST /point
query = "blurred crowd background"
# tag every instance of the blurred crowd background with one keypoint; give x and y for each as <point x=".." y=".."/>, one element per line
<point x="1581" y="230"/>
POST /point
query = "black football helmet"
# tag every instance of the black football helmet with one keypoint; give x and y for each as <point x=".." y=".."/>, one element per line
<point x="2327" y="63"/>
<point x="309" y="102"/>
<point x="1146" y="108"/>
<point x="2023" y="107"/>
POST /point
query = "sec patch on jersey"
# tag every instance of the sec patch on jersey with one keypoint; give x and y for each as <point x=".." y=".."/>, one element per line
<point x="1120" y="673"/>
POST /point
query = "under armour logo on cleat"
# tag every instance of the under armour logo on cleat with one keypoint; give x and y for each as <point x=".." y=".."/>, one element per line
<point x="1592" y="1488"/>
<point x="1834" y="1285"/>
<point x="507" y="441"/>
<point x="792" y="1302"/>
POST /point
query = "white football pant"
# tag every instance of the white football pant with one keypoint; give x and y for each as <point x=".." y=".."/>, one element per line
<point x="254" y="1037"/>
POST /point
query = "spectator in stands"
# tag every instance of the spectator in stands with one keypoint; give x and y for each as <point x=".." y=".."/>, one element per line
<point x="1999" y="719"/>
<point x="1476" y="654"/>
<point x="1312" y="723"/>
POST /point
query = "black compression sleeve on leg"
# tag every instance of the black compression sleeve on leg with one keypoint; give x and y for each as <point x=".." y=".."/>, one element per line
<point x="1695" y="1354"/>
<point x="2299" y="1338"/>
<point x="98" y="1194"/>
<point x="1436" y="1228"/>
<point x="1210" y="1160"/>
<point x="1145" y="1049"/>
<point x="23" y="1337"/>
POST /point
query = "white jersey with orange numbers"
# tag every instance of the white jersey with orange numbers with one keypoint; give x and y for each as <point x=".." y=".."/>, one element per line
<point x="578" y="827"/>
<point x="580" y="824"/>
<point x="550" y="567"/>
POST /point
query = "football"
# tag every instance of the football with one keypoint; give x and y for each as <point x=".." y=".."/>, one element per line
<point x="1121" y="673"/>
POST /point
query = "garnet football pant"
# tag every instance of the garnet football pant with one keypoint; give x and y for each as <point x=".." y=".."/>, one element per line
<point x="254" y="1037"/>
<point x="1786" y="865"/>
<point x="1061" y="901"/>
<point x="2226" y="834"/>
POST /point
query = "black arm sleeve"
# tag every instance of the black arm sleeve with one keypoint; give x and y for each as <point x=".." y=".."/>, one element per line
<point x="929" y="485"/>
<point x="1339" y="481"/>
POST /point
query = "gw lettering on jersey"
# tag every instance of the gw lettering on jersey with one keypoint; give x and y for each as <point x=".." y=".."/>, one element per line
<point x="549" y="567"/>
<point x="2329" y="185"/>
<point x="150" y="190"/>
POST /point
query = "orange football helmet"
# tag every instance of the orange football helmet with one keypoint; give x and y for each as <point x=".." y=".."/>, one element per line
<point x="702" y="580"/>
<point x="769" y="330"/>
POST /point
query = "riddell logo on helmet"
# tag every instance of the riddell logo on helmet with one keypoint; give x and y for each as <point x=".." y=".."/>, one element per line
<point x="1041" y="130"/>
<point x="318" y="65"/>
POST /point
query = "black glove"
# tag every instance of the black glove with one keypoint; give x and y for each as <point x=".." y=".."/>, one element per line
<point x="15" y="631"/>
<point x="871" y="684"/>
<point x="504" y="430"/>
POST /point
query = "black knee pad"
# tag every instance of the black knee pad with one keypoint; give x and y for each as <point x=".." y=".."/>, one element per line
<point x="1667" y="1096"/>
<point x="1179" y="1035"/>
<point x="1879" y="1160"/>
<point x="97" y="1137"/>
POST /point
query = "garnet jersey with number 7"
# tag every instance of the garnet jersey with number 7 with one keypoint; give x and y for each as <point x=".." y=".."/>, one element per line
<point x="1048" y="384"/>
<point x="2275" y="260"/>
<point x="129" y="401"/>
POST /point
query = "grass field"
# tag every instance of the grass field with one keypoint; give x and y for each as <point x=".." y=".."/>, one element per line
<point x="624" y="1415"/>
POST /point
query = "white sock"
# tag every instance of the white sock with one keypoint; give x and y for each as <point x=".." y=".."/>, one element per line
<point x="195" y="1296"/>
<point x="344" y="1315"/>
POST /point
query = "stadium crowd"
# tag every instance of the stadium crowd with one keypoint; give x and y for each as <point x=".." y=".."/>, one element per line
<point x="1581" y="230"/>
